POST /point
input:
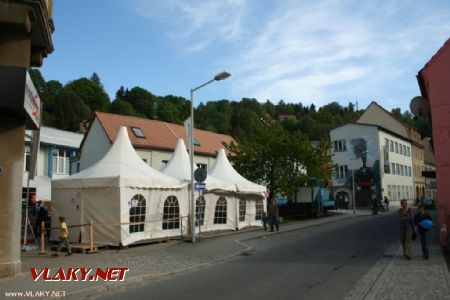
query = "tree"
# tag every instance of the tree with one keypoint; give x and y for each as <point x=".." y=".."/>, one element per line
<point x="274" y="157"/>
<point x="122" y="107"/>
<point x="143" y="102"/>
<point x="92" y="94"/>
<point x="120" y="94"/>
<point x="69" y="110"/>
<point x="96" y="80"/>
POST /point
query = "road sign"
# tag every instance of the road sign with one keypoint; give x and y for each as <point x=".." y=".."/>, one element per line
<point x="200" y="175"/>
<point x="200" y="186"/>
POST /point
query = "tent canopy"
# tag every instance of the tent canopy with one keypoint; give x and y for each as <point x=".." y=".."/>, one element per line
<point x="224" y="171"/>
<point x="179" y="167"/>
<point x="120" y="167"/>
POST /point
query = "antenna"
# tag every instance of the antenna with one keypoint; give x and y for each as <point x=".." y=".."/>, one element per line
<point x="419" y="106"/>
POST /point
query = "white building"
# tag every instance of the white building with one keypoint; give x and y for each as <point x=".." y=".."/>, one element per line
<point x="153" y="140"/>
<point x="57" y="148"/>
<point x="388" y="155"/>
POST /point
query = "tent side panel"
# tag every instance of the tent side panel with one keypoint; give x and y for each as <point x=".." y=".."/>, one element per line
<point x="66" y="203"/>
<point x="101" y="206"/>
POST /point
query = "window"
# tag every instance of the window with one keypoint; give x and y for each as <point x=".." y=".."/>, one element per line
<point x="242" y="207"/>
<point x="400" y="151"/>
<point x="402" y="171"/>
<point x="138" y="132"/>
<point x="137" y="213"/>
<point x="397" y="169"/>
<point x="404" y="150"/>
<point x="391" y="146"/>
<point x="259" y="210"/>
<point x="389" y="187"/>
<point x="144" y="160"/>
<point x="164" y="162"/>
<point x="27" y="155"/>
<point x="408" y="151"/>
<point x="196" y="143"/>
<point x="60" y="161"/>
<point x="340" y="146"/>
<point x="393" y="168"/>
<point x="203" y="166"/>
<point x="171" y="215"/>
<point x="396" y="147"/>
<point x="386" y="143"/>
<point x="342" y="172"/>
<point x="220" y="215"/>
<point x="409" y="171"/>
<point x="200" y="210"/>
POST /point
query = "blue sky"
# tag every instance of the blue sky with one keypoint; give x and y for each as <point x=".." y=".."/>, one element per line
<point x="298" y="51"/>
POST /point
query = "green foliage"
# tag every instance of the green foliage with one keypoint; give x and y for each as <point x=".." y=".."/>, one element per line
<point x="278" y="159"/>
<point x="122" y="107"/>
<point x="172" y="109"/>
<point x="69" y="110"/>
<point x="143" y="102"/>
<point x="91" y="94"/>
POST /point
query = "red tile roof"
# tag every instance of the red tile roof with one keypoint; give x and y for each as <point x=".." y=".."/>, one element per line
<point x="160" y="135"/>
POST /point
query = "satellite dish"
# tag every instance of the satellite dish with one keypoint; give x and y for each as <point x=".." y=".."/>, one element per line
<point x="419" y="106"/>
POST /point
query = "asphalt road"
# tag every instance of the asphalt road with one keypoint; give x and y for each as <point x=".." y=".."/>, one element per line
<point x="321" y="262"/>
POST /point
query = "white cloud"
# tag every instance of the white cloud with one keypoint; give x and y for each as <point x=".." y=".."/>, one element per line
<point x="198" y="22"/>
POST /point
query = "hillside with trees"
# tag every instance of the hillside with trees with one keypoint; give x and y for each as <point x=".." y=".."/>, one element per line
<point x="273" y="138"/>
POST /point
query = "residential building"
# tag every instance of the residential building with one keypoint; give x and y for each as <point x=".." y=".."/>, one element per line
<point x="57" y="148"/>
<point x="434" y="83"/>
<point x="388" y="156"/>
<point x="153" y="140"/>
<point x="377" y="115"/>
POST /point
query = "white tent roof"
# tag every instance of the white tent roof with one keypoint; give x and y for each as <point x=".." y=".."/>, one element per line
<point x="224" y="171"/>
<point x="121" y="166"/>
<point x="179" y="167"/>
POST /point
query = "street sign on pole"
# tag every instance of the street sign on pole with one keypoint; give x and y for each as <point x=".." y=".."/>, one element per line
<point x="200" y="186"/>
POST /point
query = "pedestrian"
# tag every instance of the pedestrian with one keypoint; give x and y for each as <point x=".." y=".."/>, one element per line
<point x="41" y="215"/>
<point x="264" y="220"/>
<point x="419" y="217"/>
<point x="406" y="228"/>
<point x="63" y="237"/>
<point x="272" y="213"/>
<point x="386" y="203"/>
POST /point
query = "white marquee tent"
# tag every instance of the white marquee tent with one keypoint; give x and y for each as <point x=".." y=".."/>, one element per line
<point x="229" y="202"/>
<point x="120" y="188"/>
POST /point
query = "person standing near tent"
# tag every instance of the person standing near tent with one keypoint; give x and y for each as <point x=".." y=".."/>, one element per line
<point x="423" y="230"/>
<point x="386" y="203"/>
<point x="63" y="237"/>
<point x="272" y="213"/>
<point x="41" y="216"/>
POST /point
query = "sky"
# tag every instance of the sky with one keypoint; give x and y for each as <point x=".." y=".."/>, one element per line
<point x="296" y="51"/>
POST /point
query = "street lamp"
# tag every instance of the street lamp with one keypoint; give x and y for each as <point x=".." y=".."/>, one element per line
<point x="221" y="76"/>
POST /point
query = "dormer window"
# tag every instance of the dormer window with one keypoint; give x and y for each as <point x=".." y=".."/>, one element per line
<point x="196" y="143"/>
<point x="138" y="132"/>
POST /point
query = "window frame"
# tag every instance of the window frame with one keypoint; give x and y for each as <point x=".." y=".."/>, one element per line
<point x="220" y="211"/>
<point x="171" y="213"/>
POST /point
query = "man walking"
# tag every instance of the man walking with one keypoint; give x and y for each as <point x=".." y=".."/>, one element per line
<point x="272" y="214"/>
<point x="419" y="219"/>
<point x="406" y="228"/>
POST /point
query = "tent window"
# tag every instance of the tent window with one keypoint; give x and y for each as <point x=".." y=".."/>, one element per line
<point x="200" y="210"/>
<point x="171" y="213"/>
<point x="242" y="206"/>
<point x="138" y="132"/>
<point x="137" y="213"/>
<point x="220" y="215"/>
<point x="259" y="210"/>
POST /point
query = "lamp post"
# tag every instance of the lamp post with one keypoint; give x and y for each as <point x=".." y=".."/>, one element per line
<point x="221" y="76"/>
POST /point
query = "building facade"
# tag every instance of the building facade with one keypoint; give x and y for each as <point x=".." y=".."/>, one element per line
<point x="387" y="155"/>
<point x="434" y="83"/>
<point x="153" y="140"/>
<point x="57" y="149"/>
<point x="430" y="170"/>
<point x="377" y="115"/>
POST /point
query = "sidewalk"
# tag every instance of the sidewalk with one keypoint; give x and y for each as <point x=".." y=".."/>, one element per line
<point x="157" y="261"/>
<point x="394" y="277"/>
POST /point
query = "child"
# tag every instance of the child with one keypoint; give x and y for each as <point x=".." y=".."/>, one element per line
<point x="63" y="238"/>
